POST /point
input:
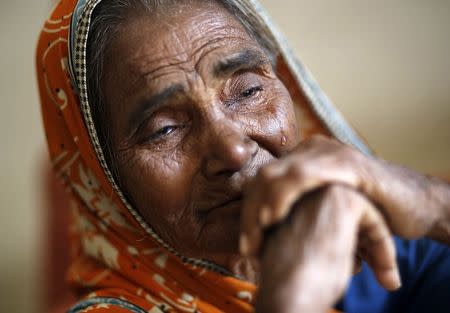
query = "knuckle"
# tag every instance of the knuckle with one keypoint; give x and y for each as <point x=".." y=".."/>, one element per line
<point x="297" y="170"/>
<point x="267" y="172"/>
<point x="341" y="200"/>
<point x="334" y="191"/>
<point x="317" y="138"/>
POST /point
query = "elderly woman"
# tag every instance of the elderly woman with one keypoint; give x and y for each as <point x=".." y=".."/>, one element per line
<point x="204" y="164"/>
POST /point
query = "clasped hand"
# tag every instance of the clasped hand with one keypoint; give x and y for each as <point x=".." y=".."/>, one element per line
<point x="312" y="215"/>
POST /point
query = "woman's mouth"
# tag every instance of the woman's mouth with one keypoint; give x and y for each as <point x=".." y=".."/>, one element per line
<point x="229" y="207"/>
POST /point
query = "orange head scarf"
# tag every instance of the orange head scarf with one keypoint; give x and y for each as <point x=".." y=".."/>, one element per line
<point x="118" y="263"/>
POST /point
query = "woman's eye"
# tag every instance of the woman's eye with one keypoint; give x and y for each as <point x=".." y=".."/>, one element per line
<point x="162" y="132"/>
<point x="251" y="92"/>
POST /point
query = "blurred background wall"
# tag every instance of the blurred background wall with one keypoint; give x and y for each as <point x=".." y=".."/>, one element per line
<point x="22" y="152"/>
<point x="386" y="65"/>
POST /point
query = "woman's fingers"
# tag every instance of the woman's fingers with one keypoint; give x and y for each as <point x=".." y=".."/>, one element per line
<point x="251" y="233"/>
<point x="308" y="258"/>
<point x="280" y="184"/>
<point x="377" y="247"/>
<point x="319" y="162"/>
<point x="257" y="210"/>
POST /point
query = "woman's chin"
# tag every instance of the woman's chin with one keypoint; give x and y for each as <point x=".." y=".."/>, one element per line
<point x="219" y="237"/>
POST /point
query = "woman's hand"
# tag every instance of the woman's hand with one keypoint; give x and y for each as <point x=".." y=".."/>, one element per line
<point x="307" y="260"/>
<point x="313" y="250"/>
<point x="413" y="205"/>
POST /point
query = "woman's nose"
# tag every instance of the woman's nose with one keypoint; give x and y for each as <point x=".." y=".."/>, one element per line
<point x="230" y="149"/>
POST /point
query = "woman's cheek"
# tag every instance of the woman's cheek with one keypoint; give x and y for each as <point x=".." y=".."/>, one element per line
<point x="170" y="173"/>
<point x="156" y="182"/>
<point x="277" y="121"/>
<point x="286" y="117"/>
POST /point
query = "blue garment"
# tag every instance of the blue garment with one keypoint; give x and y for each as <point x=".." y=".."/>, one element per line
<point x="425" y="273"/>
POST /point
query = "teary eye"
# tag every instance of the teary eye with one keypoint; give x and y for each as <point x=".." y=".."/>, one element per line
<point x="163" y="132"/>
<point x="251" y="92"/>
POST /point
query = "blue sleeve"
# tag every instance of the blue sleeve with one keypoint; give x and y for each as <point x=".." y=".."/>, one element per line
<point x="425" y="273"/>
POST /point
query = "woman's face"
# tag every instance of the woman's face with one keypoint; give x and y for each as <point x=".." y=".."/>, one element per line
<point x="194" y="109"/>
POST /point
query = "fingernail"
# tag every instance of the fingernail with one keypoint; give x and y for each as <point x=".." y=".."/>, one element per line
<point x="243" y="244"/>
<point x="397" y="279"/>
<point x="264" y="216"/>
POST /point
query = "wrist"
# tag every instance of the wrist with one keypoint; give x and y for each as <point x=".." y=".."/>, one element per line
<point x="439" y="194"/>
<point x="414" y="205"/>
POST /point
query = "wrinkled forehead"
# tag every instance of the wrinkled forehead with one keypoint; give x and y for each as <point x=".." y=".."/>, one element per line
<point x="169" y="16"/>
<point x="147" y="49"/>
<point x="301" y="85"/>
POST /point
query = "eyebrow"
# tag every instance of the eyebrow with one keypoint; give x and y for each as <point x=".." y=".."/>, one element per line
<point x="246" y="59"/>
<point x="148" y="106"/>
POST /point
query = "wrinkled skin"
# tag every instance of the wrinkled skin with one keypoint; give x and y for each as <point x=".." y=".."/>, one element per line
<point x="323" y="272"/>
<point x="334" y="219"/>
<point x="207" y="148"/>
<point x="205" y="140"/>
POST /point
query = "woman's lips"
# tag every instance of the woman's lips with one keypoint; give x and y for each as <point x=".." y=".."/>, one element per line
<point x="229" y="202"/>
<point x="231" y="206"/>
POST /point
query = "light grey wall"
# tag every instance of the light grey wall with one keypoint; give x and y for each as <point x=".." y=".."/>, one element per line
<point x="21" y="152"/>
<point x="385" y="64"/>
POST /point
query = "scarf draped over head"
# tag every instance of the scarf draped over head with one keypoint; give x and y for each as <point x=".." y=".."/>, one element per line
<point x="118" y="263"/>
